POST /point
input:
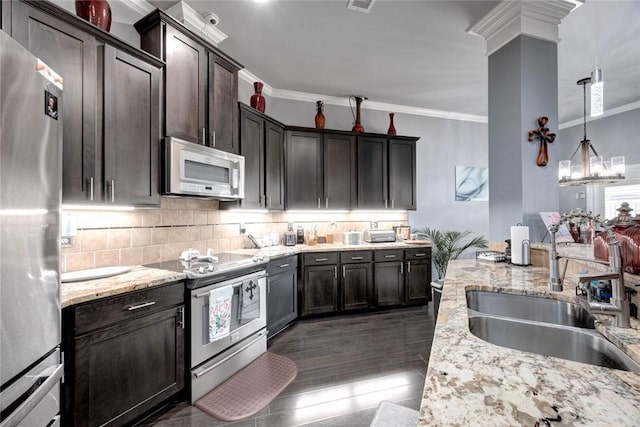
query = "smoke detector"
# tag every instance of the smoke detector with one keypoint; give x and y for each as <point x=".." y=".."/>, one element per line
<point x="363" y="6"/>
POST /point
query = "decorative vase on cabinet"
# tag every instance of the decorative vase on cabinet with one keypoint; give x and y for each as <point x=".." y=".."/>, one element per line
<point x="257" y="100"/>
<point x="319" y="119"/>
<point x="97" y="12"/>
<point x="392" y="128"/>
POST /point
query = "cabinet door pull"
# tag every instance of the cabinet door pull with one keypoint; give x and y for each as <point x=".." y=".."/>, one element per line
<point x="393" y="205"/>
<point x="214" y="138"/>
<point x="181" y="317"/>
<point x="335" y="272"/>
<point x="322" y="259"/>
<point x="269" y="202"/>
<point x="113" y="191"/>
<point x="385" y="203"/>
<point x="344" y="272"/>
<point x="408" y="266"/>
<point x="326" y="203"/>
<point x="143" y="305"/>
<point x="91" y="188"/>
<point x="356" y="258"/>
<point x="283" y="265"/>
<point x="318" y="202"/>
<point x="204" y="138"/>
<point x="401" y="268"/>
<point x="420" y="254"/>
<point x="389" y="256"/>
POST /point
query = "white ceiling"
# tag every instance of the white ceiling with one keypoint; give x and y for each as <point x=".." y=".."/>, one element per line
<point x="417" y="53"/>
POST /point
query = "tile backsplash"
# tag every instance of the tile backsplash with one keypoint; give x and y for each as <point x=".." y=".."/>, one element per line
<point x="107" y="238"/>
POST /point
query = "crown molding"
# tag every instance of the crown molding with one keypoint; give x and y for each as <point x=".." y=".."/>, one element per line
<point x="607" y="113"/>
<point x="195" y="22"/>
<point x="509" y="19"/>
<point x="374" y="105"/>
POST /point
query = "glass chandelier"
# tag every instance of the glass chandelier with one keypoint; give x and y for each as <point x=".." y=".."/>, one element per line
<point x="593" y="168"/>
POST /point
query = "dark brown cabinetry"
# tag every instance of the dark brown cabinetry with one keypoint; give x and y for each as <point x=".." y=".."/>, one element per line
<point x="320" y="170"/>
<point x="417" y="276"/>
<point x="282" y="280"/>
<point x="386" y="173"/>
<point x="123" y="355"/>
<point x="110" y="105"/>
<point x="262" y="145"/>
<point x="320" y="283"/>
<point x="388" y="278"/>
<point x="357" y="280"/>
<point x="200" y="83"/>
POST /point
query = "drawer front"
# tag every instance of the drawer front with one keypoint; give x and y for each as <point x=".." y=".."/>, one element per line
<point x="415" y="254"/>
<point x="282" y="264"/>
<point x="350" y="257"/>
<point x="109" y="311"/>
<point x="389" y="255"/>
<point x="321" y="258"/>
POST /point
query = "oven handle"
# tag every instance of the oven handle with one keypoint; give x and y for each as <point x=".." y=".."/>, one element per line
<point x="207" y="293"/>
<point x="215" y="365"/>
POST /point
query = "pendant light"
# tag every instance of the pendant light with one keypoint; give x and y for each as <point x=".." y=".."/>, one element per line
<point x="592" y="168"/>
<point x="597" y="92"/>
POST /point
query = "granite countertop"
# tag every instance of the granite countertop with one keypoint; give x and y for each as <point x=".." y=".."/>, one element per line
<point x="472" y="382"/>
<point x="139" y="277"/>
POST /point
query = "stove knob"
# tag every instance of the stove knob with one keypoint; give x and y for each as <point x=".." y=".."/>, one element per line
<point x="210" y="268"/>
<point x="201" y="270"/>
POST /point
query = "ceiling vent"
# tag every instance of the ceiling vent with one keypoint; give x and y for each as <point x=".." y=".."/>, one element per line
<point x="363" y="6"/>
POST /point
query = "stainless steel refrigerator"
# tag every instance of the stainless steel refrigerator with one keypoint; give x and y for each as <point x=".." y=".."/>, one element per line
<point x="30" y="192"/>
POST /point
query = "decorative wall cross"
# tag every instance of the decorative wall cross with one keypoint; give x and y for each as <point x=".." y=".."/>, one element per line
<point x="250" y="287"/>
<point x="542" y="134"/>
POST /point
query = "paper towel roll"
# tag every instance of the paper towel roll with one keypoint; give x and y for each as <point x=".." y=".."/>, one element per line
<point x="519" y="233"/>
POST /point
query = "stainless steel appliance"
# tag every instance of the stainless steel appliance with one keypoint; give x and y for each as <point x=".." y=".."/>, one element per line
<point x="213" y="360"/>
<point x="379" y="236"/>
<point x="30" y="191"/>
<point x="197" y="170"/>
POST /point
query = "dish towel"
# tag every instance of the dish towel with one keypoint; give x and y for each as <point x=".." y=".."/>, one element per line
<point x="220" y="312"/>
<point x="249" y="302"/>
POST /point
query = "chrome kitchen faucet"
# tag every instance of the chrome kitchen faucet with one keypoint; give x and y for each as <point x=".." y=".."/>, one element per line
<point x="619" y="304"/>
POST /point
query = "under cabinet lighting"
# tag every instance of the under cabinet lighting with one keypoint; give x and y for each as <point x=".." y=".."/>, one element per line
<point x="97" y="208"/>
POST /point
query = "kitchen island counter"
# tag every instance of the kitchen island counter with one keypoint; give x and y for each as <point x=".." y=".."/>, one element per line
<point x="472" y="382"/>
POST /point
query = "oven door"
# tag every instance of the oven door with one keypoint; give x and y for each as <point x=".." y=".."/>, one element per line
<point x="248" y="315"/>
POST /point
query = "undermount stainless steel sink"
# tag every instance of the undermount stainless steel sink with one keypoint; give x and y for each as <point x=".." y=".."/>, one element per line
<point x="577" y="344"/>
<point x="533" y="308"/>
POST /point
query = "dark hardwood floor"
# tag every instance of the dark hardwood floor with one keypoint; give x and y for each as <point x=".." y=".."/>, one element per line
<point x="347" y="365"/>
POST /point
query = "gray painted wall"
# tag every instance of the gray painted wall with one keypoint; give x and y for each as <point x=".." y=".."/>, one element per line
<point x="522" y="87"/>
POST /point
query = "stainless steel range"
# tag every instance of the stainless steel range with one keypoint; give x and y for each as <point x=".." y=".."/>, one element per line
<point x="226" y="312"/>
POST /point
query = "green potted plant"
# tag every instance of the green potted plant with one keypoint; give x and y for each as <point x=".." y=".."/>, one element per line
<point x="445" y="246"/>
<point x="448" y="245"/>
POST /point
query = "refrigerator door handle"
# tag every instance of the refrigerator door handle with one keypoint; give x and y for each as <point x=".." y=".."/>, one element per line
<point x="34" y="398"/>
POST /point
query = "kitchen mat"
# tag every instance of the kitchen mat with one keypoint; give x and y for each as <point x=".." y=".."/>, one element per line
<point x="251" y="389"/>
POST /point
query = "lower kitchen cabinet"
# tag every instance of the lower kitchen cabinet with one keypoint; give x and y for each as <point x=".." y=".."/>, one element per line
<point x="320" y="283"/>
<point x="388" y="278"/>
<point x="417" y="276"/>
<point x="357" y="280"/>
<point x="282" y="282"/>
<point x="123" y="355"/>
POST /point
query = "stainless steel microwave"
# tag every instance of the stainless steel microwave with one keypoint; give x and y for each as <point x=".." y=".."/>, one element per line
<point x="197" y="170"/>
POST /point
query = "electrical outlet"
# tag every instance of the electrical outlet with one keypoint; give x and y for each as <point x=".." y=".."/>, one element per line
<point x="242" y="228"/>
<point x="373" y="225"/>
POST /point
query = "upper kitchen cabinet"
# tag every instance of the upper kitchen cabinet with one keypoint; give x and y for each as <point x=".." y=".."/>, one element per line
<point x="109" y="109"/>
<point x="200" y="83"/>
<point x="320" y="170"/>
<point x="386" y="172"/>
<point x="262" y="145"/>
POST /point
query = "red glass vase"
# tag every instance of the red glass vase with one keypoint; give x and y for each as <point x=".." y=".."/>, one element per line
<point x="97" y="12"/>
<point x="357" y="127"/>
<point x="392" y="128"/>
<point x="257" y="100"/>
<point x="319" y="119"/>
